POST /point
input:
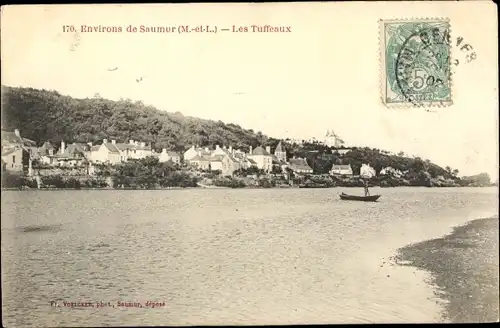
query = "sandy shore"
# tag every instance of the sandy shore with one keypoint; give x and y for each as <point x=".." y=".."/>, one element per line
<point x="465" y="268"/>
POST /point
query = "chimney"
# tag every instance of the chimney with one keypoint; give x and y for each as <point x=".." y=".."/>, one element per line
<point x="104" y="141"/>
<point x="143" y="144"/>
<point x="113" y="142"/>
<point x="206" y="149"/>
<point x="268" y="149"/>
<point x="18" y="134"/>
<point x="164" y="150"/>
<point x="63" y="147"/>
<point x="223" y="147"/>
<point x="250" y="152"/>
<point x="131" y="141"/>
<point x="217" y="147"/>
<point x="89" y="143"/>
<point x="230" y="149"/>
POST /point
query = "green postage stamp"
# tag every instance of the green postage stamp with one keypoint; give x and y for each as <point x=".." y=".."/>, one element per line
<point x="415" y="62"/>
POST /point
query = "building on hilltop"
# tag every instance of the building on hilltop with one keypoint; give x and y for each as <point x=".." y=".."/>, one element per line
<point x="333" y="140"/>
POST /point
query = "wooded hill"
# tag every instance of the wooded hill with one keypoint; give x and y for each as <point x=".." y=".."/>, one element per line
<point x="43" y="115"/>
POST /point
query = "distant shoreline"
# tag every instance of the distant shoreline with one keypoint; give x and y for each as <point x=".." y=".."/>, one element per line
<point x="217" y="187"/>
<point x="464" y="265"/>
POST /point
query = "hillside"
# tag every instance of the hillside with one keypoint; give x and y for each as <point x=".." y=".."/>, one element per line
<point x="43" y="115"/>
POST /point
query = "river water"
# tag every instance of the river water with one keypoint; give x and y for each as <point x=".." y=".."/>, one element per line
<point x="221" y="256"/>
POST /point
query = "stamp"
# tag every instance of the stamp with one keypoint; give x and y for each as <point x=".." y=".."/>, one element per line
<point x="415" y="62"/>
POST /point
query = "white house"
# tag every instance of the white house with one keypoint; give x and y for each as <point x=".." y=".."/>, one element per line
<point x="105" y="153"/>
<point x="341" y="170"/>
<point x="192" y="152"/>
<point x="262" y="158"/>
<point x="167" y="155"/>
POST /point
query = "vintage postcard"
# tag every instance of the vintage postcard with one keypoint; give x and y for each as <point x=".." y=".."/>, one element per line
<point x="249" y="164"/>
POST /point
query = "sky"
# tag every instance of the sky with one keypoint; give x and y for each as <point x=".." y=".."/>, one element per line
<point x="324" y="74"/>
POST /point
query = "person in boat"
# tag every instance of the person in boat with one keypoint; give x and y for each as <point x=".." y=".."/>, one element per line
<point x="367" y="192"/>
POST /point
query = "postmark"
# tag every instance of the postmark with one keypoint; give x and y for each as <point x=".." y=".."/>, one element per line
<point x="415" y="62"/>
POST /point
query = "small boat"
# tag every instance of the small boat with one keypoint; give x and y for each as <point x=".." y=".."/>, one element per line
<point x="373" y="198"/>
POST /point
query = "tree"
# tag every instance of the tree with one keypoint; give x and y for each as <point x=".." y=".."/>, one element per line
<point x="276" y="169"/>
<point x="48" y="116"/>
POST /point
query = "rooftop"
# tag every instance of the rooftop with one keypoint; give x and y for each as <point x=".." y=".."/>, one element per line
<point x="341" y="167"/>
<point x="279" y="148"/>
<point x="15" y="138"/>
<point x="299" y="164"/>
<point x="260" y="151"/>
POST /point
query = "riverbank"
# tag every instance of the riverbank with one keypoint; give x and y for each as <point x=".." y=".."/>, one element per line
<point x="27" y="188"/>
<point x="464" y="266"/>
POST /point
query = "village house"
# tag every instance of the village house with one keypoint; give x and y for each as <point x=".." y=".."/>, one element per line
<point x="46" y="153"/>
<point x="341" y="170"/>
<point x="16" y="151"/>
<point x="14" y="159"/>
<point x="167" y="155"/>
<point x="114" y="153"/>
<point x="133" y="150"/>
<point x="228" y="160"/>
<point x="105" y="153"/>
<point x="299" y="165"/>
<point x="196" y="151"/>
<point x="220" y="159"/>
<point x="201" y="162"/>
<point x="262" y="158"/>
<point x="74" y="154"/>
<point x="222" y="163"/>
